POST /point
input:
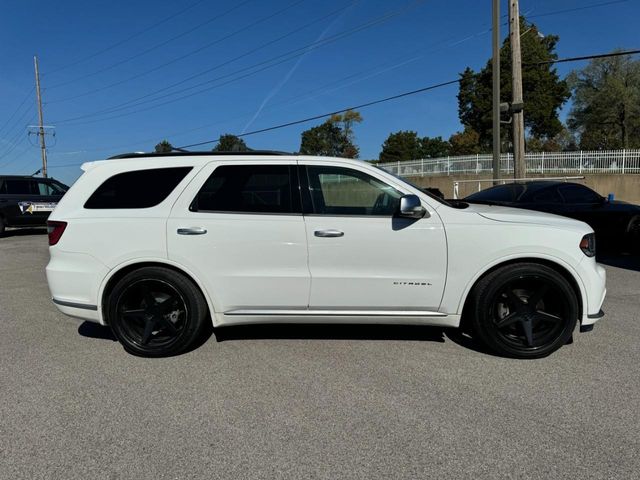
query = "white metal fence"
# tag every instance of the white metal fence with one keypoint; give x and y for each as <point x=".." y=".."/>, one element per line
<point x="579" y="162"/>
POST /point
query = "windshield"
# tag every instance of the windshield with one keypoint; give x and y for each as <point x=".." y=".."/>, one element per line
<point x="422" y="189"/>
<point x="59" y="186"/>
<point x="510" y="192"/>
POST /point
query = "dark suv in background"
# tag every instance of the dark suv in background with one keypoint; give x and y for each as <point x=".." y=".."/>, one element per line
<point x="27" y="201"/>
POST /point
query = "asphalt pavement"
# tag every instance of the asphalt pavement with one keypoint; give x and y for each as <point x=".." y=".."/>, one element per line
<point x="325" y="402"/>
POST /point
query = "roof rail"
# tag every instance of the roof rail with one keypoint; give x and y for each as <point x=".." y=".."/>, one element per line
<point x="188" y="154"/>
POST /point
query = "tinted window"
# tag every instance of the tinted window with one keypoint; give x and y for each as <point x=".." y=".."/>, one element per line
<point x="137" y="189"/>
<point x="19" y="187"/>
<point x="547" y="195"/>
<point x="342" y="191"/>
<point x="578" y="194"/>
<point x="47" y="188"/>
<point x="499" y="193"/>
<point x="250" y="189"/>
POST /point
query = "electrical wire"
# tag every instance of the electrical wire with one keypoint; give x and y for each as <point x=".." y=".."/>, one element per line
<point x="328" y="114"/>
<point x="570" y="10"/>
<point x="17" y="109"/>
<point x="128" y="39"/>
<point x="586" y="57"/>
<point x="285" y="57"/>
<point x="182" y="57"/>
<point x="154" y="47"/>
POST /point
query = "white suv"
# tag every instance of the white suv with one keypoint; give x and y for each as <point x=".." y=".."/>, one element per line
<point x="159" y="246"/>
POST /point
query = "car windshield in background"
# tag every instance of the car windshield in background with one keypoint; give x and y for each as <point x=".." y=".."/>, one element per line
<point x="404" y="180"/>
<point x="500" y="193"/>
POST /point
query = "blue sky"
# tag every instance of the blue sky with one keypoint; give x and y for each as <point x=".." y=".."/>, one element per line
<point x="86" y="47"/>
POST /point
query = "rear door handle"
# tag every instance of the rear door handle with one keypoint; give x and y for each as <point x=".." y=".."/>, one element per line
<point x="192" y="231"/>
<point x="328" y="233"/>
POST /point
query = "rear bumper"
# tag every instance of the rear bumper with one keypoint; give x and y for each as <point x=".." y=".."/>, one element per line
<point x="74" y="280"/>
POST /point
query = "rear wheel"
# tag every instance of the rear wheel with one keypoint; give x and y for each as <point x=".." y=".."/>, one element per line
<point x="156" y="312"/>
<point x="2" y="226"/>
<point x="524" y="310"/>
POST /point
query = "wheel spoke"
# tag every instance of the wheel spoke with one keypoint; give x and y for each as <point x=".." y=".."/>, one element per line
<point x="147" y="296"/>
<point x="148" y="330"/>
<point x="527" y="326"/>
<point x="546" y="317"/>
<point x="516" y="301"/>
<point x="168" y="325"/>
<point x="134" y="311"/>
<point x="510" y="319"/>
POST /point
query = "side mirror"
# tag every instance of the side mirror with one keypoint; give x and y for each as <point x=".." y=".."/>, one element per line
<point x="411" y="207"/>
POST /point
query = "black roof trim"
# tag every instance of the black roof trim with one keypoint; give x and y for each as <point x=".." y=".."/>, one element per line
<point x="191" y="154"/>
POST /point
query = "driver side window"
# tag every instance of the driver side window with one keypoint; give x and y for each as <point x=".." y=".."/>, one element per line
<point x="343" y="191"/>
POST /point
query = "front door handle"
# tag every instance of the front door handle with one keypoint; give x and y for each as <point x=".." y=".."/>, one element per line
<point x="328" y="233"/>
<point x="192" y="231"/>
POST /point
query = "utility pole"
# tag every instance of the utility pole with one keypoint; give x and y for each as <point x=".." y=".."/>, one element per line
<point x="496" y="90"/>
<point x="43" y="146"/>
<point x="519" y="167"/>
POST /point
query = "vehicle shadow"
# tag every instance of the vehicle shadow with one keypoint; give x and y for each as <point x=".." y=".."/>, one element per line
<point x="95" y="330"/>
<point x="628" y="262"/>
<point x="329" y="332"/>
<point x="414" y="333"/>
<point x="22" y="232"/>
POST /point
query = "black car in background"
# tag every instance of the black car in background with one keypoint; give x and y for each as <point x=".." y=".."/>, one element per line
<point x="27" y="201"/>
<point x="616" y="223"/>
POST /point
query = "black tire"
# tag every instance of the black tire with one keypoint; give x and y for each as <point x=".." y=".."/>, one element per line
<point x="633" y="235"/>
<point x="505" y="320"/>
<point x="2" y="226"/>
<point x="143" y="321"/>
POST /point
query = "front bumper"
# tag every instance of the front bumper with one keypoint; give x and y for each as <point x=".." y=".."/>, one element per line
<point x="594" y="280"/>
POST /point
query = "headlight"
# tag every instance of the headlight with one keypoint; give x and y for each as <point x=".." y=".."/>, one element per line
<point x="588" y="244"/>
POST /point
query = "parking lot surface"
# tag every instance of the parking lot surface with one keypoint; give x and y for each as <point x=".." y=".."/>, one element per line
<point x="324" y="402"/>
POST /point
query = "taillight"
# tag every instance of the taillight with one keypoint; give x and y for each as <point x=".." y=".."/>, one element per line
<point x="588" y="245"/>
<point x="55" y="231"/>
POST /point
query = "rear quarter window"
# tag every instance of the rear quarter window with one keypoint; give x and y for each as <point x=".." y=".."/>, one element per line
<point x="137" y="189"/>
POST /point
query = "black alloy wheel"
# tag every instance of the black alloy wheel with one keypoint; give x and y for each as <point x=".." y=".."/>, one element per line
<point x="525" y="310"/>
<point x="155" y="312"/>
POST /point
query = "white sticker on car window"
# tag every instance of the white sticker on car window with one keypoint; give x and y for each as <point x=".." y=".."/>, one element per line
<point x="31" y="207"/>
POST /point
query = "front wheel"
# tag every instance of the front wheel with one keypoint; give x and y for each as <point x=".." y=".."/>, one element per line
<point x="524" y="310"/>
<point x="633" y="235"/>
<point x="156" y="312"/>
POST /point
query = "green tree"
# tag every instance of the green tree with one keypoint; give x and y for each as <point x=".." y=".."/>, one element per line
<point x="562" y="142"/>
<point x="606" y="103"/>
<point x="333" y="138"/>
<point x="543" y="90"/>
<point x="466" y="142"/>
<point x="401" y="146"/>
<point x="326" y="139"/>
<point x="164" y="147"/>
<point x="434" y="147"/>
<point x="230" y="143"/>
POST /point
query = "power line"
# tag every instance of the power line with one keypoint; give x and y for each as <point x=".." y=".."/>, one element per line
<point x="154" y="47"/>
<point x="17" y="129"/>
<point x="323" y="115"/>
<point x="188" y="54"/>
<point x="586" y="57"/>
<point x="308" y="119"/>
<point x="17" y="109"/>
<point x="127" y="39"/>
<point x="285" y="57"/>
<point x="585" y="7"/>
